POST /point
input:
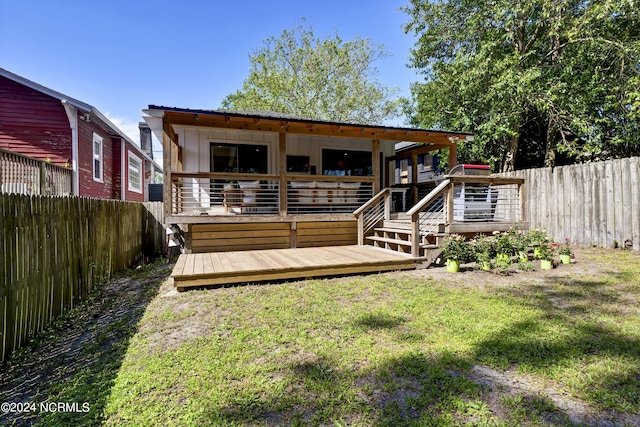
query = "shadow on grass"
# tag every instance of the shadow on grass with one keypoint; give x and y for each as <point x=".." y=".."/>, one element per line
<point x="379" y="321"/>
<point x="77" y="359"/>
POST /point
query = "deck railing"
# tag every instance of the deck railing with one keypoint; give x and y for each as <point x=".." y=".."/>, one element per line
<point x="217" y="193"/>
<point x="457" y="199"/>
<point x="25" y="175"/>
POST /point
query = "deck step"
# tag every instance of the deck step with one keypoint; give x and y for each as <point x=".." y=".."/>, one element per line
<point x="388" y="240"/>
<point x="393" y="230"/>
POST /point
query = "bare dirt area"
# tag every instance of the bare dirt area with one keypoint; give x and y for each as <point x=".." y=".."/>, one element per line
<point x="87" y="343"/>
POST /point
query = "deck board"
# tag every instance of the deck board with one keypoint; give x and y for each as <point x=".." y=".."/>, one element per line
<point x="220" y="268"/>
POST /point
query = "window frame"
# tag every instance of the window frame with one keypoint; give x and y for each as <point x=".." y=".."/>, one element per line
<point x="97" y="139"/>
<point x="140" y="171"/>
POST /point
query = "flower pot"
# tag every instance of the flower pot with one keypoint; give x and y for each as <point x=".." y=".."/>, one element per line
<point x="546" y="264"/>
<point x="503" y="258"/>
<point x="485" y="265"/>
<point x="523" y="256"/>
<point x="453" y="265"/>
<point x="566" y="259"/>
<point x="537" y="252"/>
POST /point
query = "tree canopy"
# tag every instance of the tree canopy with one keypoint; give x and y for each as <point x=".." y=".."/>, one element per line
<point x="328" y="79"/>
<point x="535" y="80"/>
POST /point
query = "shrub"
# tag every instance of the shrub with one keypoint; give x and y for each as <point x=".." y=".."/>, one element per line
<point x="457" y="248"/>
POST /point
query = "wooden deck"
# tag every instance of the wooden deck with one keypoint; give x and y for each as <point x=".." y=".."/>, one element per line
<point x="221" y="268"/>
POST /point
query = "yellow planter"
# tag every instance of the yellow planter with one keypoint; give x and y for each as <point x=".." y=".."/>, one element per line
<point x="566" y="259"/>
<point x="453" y="265"/>
<point x="546" y="264"/>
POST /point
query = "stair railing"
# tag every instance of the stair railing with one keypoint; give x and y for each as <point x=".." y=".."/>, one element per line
<point x="428" y="214"/>
<point x="378" y="208"/>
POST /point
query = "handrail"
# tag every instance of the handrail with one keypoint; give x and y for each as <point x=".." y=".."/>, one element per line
<point x="426" y="200"/>
<point x="371" y="201"/>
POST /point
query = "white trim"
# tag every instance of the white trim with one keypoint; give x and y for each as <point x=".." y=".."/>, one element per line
<point x="97" y="138"/>
<point x="72" y="115"/>
<point x="140" y="171"/>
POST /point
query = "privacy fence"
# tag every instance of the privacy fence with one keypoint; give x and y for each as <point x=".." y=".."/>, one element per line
<point x="590" y="204"/>
<point x="55" y="250"/>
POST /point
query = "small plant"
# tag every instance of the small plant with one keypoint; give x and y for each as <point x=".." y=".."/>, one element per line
<point x="546" y="251"/>
<point x="537" y="236"/>
<point x="456" y="248"/>
<point x="484" y="250"/>
<point x="565" y="249"/>
<point x="526" y="266"/>
<point x="504" y="244"/>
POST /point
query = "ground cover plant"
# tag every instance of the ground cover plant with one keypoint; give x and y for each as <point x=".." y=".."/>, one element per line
<point x="423" y="347"/>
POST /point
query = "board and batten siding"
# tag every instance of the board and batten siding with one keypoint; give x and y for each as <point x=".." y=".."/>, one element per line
<point x="33" y="124"/>
<point x="590" y="204"/>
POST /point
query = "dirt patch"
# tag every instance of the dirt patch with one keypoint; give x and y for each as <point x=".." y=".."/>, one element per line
<point x="511" y="384"/>
<point x="90" y="339"/>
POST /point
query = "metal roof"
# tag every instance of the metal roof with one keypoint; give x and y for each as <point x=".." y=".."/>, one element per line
<point x="282" y="116"/>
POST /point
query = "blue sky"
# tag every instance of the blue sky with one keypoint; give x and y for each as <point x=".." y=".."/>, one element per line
<point x="122" y="55"/>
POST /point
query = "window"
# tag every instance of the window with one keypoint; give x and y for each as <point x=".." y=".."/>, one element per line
<point x="346" y="162"/>
<point x="97" y="157"/>
<point x="135" y="173"/>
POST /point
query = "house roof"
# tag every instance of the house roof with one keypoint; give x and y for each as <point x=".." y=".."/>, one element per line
<point x="279" y="122"/>
<point x="104" y="122"/>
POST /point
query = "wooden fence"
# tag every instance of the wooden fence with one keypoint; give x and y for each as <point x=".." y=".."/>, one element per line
<point x="55" y="250"/>
<point x="24" y="175"/>
<point x="590" y="204"/>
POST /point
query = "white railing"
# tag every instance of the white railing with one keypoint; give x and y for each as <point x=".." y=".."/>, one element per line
<point x="25" y="175"/>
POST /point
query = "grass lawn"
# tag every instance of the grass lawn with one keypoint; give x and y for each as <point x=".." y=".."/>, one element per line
<point x="409" y="348"/>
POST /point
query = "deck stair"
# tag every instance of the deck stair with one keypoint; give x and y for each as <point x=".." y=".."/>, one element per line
<point x="396" y="235"/>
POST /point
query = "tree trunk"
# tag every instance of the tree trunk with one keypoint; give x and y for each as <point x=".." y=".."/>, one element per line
<point x="509" y="164"/>
<point x="552" y="144"/>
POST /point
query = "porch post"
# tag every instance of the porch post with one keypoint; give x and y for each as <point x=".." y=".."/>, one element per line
<point x="453" y="155"/>
<point x="166" y="165"/>
<point x="282" y="159"/>
<point x="375" y="163"/>
<point x="414" y="177"/>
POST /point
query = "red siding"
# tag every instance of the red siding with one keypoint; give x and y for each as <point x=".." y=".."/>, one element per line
<point x="132" y="195"/>
<point x="117" y="168"/>
<point x="89" y="187"/>
<point x="33" y="124"/>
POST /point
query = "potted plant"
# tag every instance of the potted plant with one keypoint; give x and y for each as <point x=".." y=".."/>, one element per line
<point x="456" y="250"/>
<point x="537" y="238"/>
<point x="546" y="253"/>
<point x="565" y="252"/>
<point x="484" y="250"/>
<point x="504" y="249"/>
<point x="520" y="244"/>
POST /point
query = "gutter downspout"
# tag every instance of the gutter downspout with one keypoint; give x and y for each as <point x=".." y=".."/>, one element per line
<point x="72" y="115"/>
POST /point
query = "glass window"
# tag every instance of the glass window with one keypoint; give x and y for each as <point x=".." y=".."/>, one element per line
<point x="346" y="163"/>
<point x="239" y="158"/>
<point x="135" y="173"/>
<point x="97" y="157"/>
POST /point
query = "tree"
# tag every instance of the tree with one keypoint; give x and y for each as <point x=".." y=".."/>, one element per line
<point x="329" y="79"/>
<point x="532" y="78"/>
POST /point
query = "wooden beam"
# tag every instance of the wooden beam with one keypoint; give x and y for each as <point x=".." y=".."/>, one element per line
<point x="167" y="133"/>
<point x="375" y="163"/>
<point x="453" y="155"/>
<point x="282" y="161"/>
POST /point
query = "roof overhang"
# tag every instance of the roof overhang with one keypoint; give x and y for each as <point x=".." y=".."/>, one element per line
<point x="270" y="122"/>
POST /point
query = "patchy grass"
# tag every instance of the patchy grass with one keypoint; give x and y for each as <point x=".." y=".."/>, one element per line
<point x="392" y="349"/>
<point x="410" y="348"/>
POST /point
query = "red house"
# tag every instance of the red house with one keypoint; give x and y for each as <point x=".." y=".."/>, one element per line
<point x="41" y="123"/>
